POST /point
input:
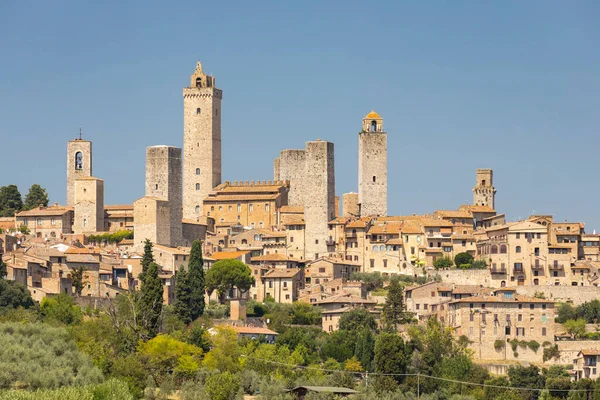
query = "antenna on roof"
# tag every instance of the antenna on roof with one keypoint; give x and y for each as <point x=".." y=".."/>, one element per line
<point x="80" y="134"/>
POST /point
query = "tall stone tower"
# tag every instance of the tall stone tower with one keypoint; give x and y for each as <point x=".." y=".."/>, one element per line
<point x="79" y="165"/>
<point x="372" y="166"/>
<point x="319" y="204"/>
<point x="484" y="192"/>
<point x="201" y="141"/>
<point x="89" y="205"/>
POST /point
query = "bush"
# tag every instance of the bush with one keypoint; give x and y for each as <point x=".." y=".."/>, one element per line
<point x="372" y="280"/>
<point x="499" y="344"/>
<point x="463" y="259"/>
<point x="111" y="389"/>
<point x="551" y="352"/>
<point x="61" y="309"/>
<point x="533" y="345"/>
<point x="115" y="237"/>
<point x="443" y="263"/>
<point x="223" y="386"/>
<point x="478" y="264"/>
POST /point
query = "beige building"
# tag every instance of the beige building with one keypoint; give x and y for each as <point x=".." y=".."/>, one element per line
<point x="586" y="365"/>
<point x="89" y="205"/>
<point x="47" y="222"/>
<point x="372" y="167"/>
<point x="283" y="285"/>
<point x="484" y="193"/>
<point x="79" y="165"/>
<point x="350" y="205"/>
<point x="201" y="141"/>
<point x="335" y="306"/>
<point x="118" y="217"/>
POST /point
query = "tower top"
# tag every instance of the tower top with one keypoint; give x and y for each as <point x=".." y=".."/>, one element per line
<point x="372" y="122"/>
<point x="199" y="79"/>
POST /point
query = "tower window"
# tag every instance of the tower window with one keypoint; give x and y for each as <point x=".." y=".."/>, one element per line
<point x="197" y="171"/>
<point x="198" y="110"/>
<point x="197" y="209"/>
<point x="198" y="82"/>
<point x="373" y="126"/>
<point x="79" y="160"/>
<point x="483" y="182"/>
<point x="197" y="186"/>
<point x="374" y="178"/>
<point x="156" y="186"/>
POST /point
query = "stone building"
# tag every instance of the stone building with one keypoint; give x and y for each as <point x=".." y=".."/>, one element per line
<point x="79" y="165"/>
<point x="201" y="141"/>
<point x="89" y="205"/>
<point x="350" y="205"/>
<point x="118" y="217"/>
<point x="484" y="192"/>
<point x="372" y="167"/>
<point x="250" y="204"/>
<point x="47" y="222"/>
<point x="158" y="215"/>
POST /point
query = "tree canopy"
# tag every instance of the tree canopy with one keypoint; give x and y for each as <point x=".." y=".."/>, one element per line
<point x="463" y="259"/>
<point x="196" y="281"/>
<point x="37" y="196"/>
<point x="225" y="275"/>
<point x="151" y="300"/>
<point x="10" y="200"/>
<point x="394" y="310"/>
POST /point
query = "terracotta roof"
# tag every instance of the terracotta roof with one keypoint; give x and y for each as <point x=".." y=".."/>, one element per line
<point x="82" y="258"/>
<point x="252" y="330"/>
<point x="395" y="241"/>
<point x="282" y="273"/>
<point x="470" y="289"/>
<point x="45" y="211"/>
<point x="274" y="257"/>
<point x="462" y="237"/>
<point x="292" y="209"/>
<point x="359" y="223"/>
<point x="590" y="352"/>
<point x="273" y="234"/>
<point x="174" y="250"/>
<point x="479" y="209"/>
<point x="344" y="298"/>
<point x="226" y="255"/>
<point x="295" y="220"/>
<point x="453" y="214"/>
<point x="128" y="207"/>
<point x="386" y="228"/>
<point x="334" y="261"/>
<point x="411" y="229"/>
<point x="83" y="250"/>
<point x="191" y="221"/>
<point x="436" y="222"/>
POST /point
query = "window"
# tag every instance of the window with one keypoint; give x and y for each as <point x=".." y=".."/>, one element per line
<point x="84" y="222"/>
<point x="79" y="160"/>
<point x="198" y="109"/>
<point x="316" y="241"/>
<point x="520" y="317"/>
<point x="539" y="235"/>
<point x="250" y="207"/>
<point x="197" y="209"/>
<point x="197" y="171"/>
<point x="543" y="331"/>
<point x="384" y="263"/>
<point x="417" y="306"/>
<point x="39" y="221"/>
<point x="494" y="249"/>
<point x="230" y="208"/>
<point x="536" y="252"/>
<point x="374" y="178"/>
<point x="520" y="332"/>
<point x="266" y="206"/>
<point x="220" y="208"/>
<point x="507" y="330"/>
<point x="212" y="208"/>
<point x="375" y="248"/>
<point x="53" y="221"/>
<point x="471" y="317"/>
<point x="239" y="208"/>
<point x="372" y="262"/>
<point x="503" y="249"/>
<point x="252" y="225"/>
<point x="197" y="186"/>
<point x="518" y="249"/>
<point x="518" y="236"/>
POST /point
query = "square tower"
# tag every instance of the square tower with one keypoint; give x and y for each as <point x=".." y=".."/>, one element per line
<point x="372" y="167"/>
<point x="201" y="141"/>
<point x="89" y="205"/>
<point x="163" y="182"/>
<point x="79" y="165"/>
<point x="484" y="193"/>
<point x="291" y="166"/>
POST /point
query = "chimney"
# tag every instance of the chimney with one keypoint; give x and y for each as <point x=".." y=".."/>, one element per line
<point x="237" y="310"/>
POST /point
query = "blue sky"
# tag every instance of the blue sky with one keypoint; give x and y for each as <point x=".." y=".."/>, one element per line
<point x="508" y="85"/>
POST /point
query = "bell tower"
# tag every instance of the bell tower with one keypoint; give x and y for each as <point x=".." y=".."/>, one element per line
<point x="79" y="164"/>
<point x="484" y="192"/>
<point x="201" y="141"/>
<point x="372" y="167"/>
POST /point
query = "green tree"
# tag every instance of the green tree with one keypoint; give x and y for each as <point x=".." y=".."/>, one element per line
<point x="565" y="312"/>
<point x="443" y="263"/>
<point x="3" y="271"/>
<point x="147" y="258"/>
<point x="526" y="377"/>
<point x="36" y="197"/>
<point x="365" y="348"/>
<point x="225" y="350"/>
<point x="225" y="275"/>
<point x="339" y="346"/>
<point x="151" y="300"/>
<point x="14" y="295"/>
<point x="356" y="319"/>
<point x="164" y="354"/>
<point x="223" y="386"/>
<point x="390" y="355"/>
<point x="10" y="200"/>
<point x="575" y="327"/>
<point x="372" y="280"/>
<point x="77" y="279"/>
<point x="196" y="281"/>
<point x="394" y="310"/>
<point x="590" y="311"/>
<point x="182" y="296"/>
<point x="463" y="259"/>
<point x="305" y="314"/>
<point x="62" y="309"/>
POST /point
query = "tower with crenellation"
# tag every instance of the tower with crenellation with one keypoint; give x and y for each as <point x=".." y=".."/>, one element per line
<point x="201" y="141"/>
<point x="484" y="192"/>
<point x="372" y="167"/>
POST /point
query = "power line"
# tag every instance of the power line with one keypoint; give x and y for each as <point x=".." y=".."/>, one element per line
<point x="363" y="374"/>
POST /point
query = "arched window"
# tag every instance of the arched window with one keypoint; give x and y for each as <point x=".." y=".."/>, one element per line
<point x="373" y="126"/>
<point x="197" y="209"/>
<point x="494" y="249"/>
<point x="375" y="248"/>
<point x="503" y="284"/>
<point x="198" y="82"/>
<point x="212" y="208"/>
<point x="502" y="249"/>
<point x="244" y="241"/>
<point x="256" y="238"/>
<point x="197" y="186"/>
<point x="382" y="248"/>
<point x="536" y="281"/>
<point x="79" y="160"/>
<point x="518" y="249"/>
<point x="197" y="171"/>
<point x="198" y="110"/>
<point x="389" y="247"/>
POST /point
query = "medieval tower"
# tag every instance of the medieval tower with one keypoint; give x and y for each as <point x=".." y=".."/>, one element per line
<point x="372" y="167"/>
<point x="89" y="205"/>
<point x="484" y="192"/>
<point x="79" y="165"/>
<point x="201" y="141"/>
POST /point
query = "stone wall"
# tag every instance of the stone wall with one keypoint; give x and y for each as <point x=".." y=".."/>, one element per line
<point x="372" y="173"/>
<point x="74" y="170"/>
<point x="465" y="277"/>
<point x="152" y="219"/>
<point x="292" y="167"/>
<point x="89" y="205"/>
<point x="577" y="295"/>
<point x="350" y="204"/>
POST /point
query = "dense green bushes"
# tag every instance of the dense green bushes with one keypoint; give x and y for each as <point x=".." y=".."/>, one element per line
<point x="115" y="237"/>
<point x="112" y="389"/>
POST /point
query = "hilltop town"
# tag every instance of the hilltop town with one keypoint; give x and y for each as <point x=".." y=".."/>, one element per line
<point x="496" y="282"/>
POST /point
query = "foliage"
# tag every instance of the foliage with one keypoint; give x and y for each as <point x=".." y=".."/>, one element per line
<point x="3" y="271"/>
<point x="225" y="350"/>
<point x="24" y="229"/>
<point x="196" y="281"/>
<point x="575" y="328"/>
<point x="109" y="390"/>
<point x="550" y="353"/>
<point x="198" y="336"/>
<point x="77" y="279"/>
<point x="340" y="346"/>
<point x="499" y="344"/>
<point x="36" y="356"/>
<point x="539" y="295"/>
<point x="463" y="259"/>
<point x="13" y="295"/>
<point x="394" y="310"/>
<point x="223" y="386"/>
<point x="372" y="280"/>
<point x="60" y="309"/>
<point x="356" y="319"/>
<point x="147" y="258"/>
<point x="182" y="296"/>
<point x="443" y="263"/>
<point x="305" y="314"/>
<point x="217" y="310"/>
<point x="526" y="377"/>
<point x="114" y="237"/>
<point x="364" y="349"/>
<point x="478" y="264"/>
<point x="10" y="200"/>
<point x="390" y="355"/>
<point x="164" y="354"/>
<point x="589" y="311"/>
<point x="151" y="300"/>
<point x="36" y="197"/>
<point x="225" y="275"/>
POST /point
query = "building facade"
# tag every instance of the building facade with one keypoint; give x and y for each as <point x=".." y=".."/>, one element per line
<point x="79" y="165"/>
<point x="372" y="167"/>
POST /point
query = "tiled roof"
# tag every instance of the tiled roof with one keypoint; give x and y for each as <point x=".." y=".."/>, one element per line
<point x="226" y="255"/>
<point x="385" y="228"/>
<point x="274" y="234"/>
<point x="359" y="223"/>
<point x="395" y="241"/>
<point x="478" y="209"/>
<point x="453" y="214"/>
<point x="282" y="273"/>
<point x="252" y="330"/>
<point x="436" y="222"/>
<point x="174" y="250"/>
<point x="411" y="229"/>
<point x="45" y="211"/>
<point x="344" y="298"/>
<point x="235" y="197"/>
<point x="295" y="220"/>
<point x="372" y="115"/>
<point x="292" y="209"/>
<point x="83" y="250"/>
<point x="590" y="352"/>
<point x="274" y="257"/>
<point x="118" y="207"/>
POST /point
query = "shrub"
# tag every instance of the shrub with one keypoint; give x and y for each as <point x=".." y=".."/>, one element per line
<point x="115" y="237"/>
<point x="513" y="344"/>
<point x="223" y="386"/>
<point x="443" y="263"/>
<point x="463" y="258"/>
<point x="533" y="345"/>
<point x="551" y="352"/>
<point x="499" y="344"/>
<point x="479" y="264"/>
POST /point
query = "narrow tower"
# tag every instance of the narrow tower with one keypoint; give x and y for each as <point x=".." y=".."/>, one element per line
<point x="372" y="167"/>
<point x="79" y="165"/>
<point x="484" y="192"/>
<point x="201" y="141"/>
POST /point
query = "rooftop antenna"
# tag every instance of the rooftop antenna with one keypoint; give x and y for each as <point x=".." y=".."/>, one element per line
<point x="80" y="134"/>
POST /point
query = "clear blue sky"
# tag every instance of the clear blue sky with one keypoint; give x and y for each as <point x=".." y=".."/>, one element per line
<point x="508" y="85"/>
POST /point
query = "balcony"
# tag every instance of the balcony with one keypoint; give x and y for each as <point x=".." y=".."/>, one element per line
<point x="330" y="242"/>
<point x="556" y="267"/>
<point x="518" y="270"/>
<point x="499" y="271"/>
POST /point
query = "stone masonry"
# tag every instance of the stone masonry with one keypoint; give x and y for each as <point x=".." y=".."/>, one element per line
<point x="89" y="205"/>
<point x="350" y="204"/>
<point x="291" y="166"/>
<point x="484" y="192"/>
<point x="201" y="141"/>
<point x="372" y="167"/>
<point x="79" y="165"/>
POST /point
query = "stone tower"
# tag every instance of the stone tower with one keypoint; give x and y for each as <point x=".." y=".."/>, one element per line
<point x="79" y="165"/>
<point x="89" y="205"/>
<point x="372" y="167"/>
<point x="201" y="141"/>
<point x="484" y="192"/>
<point x="350" y="204"/>
<point x="158" y="215"/>
<point x="319" y="204"/>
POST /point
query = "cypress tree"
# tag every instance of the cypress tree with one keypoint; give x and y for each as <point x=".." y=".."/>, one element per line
<point x="196" y="281"/>
<point x="182" y="296"/>
<point x="147" y="258"/>
<point x="394" y="310"/>
<point x="151" y="300"/>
